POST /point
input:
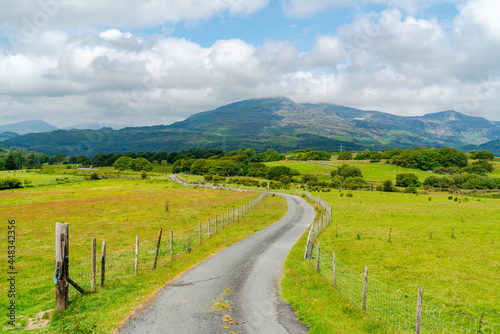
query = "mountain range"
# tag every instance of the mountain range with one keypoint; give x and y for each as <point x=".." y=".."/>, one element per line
<point x="281" y="124"/>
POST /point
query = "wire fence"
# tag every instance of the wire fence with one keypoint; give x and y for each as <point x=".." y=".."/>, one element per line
<point x="387" y="305"/>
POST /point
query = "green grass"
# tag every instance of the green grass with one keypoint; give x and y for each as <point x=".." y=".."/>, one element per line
<point x="449" y="247"/>
<point x="317" y="303"/>
<point x="115" y="211"/>
<point x="373" y="172"/>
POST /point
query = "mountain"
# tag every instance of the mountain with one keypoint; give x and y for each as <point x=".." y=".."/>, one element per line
<point x="278" y="123"/>
<point x="89" y="126"/>
<point x="7" y="135"/>
<point x="22" y="128"/>
<point x="491" y="146"/>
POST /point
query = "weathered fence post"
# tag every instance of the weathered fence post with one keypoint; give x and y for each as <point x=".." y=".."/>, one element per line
<point x="199" y="223"/>
<point x="209" y="227"/>
<point x="93" y="266"/>
<point x="222" y="221"/>
<point x="390" y="232"/>
<point x="136" y="254"/>
<point x="157" y="248"/>
<point x="334" y="270"/>
<point x="166" y="206"/>
<point x="365" y="289"/>
<point x="215" y="224"/>
<point x="171" y="245"/>
<point x="418" y="326"/>
<point x="61" y="271"/>
<point x="103" y="263"/>
<point x="233" y="214"/>
<point x="317" y="260"/>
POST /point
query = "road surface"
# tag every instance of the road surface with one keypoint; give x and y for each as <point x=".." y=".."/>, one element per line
<point x="235" y="291"/>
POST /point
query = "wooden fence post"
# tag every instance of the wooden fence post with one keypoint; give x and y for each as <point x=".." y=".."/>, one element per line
<point x="233" y="214"/>
<point x="390" y="232"/>
<point x="103" y="263"/>
<point x="317" y="259"/>
<point x="215" y="224"/>
<point x="157" y="248"/>
<point x="418" y="326"/>
<point x="365" y="289"/>
<point x="166" y="206"/>
<point x="93" y="266"/>
<point x="222" y="221"/>
<point x="171" y="245"/>
<point x="61" y="273"/>
<point x="136" y="254"/>
<point x="334" y="270"/>
<point x="199" y="223"/>
<point x="209" y="227"/>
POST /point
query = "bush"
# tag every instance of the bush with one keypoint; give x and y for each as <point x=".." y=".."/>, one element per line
<point x="10" y="184"/>
<point x="345" y="156"/>
<point x="309" y="177"/>
<point x="347" y="171"/>
<point x="406" y="180"/>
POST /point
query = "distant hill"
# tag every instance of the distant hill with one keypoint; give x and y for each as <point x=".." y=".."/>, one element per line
<point x="22" y="128"/>
<point x="492" y="146"/>
<point x="7" y="135"/>
<point x="278" y="123"/>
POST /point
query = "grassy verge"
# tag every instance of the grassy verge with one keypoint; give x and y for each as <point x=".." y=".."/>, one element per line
<point x="317" y="303"/>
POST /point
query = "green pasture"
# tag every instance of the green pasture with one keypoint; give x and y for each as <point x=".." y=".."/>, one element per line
<point x="372" y="172"/>
<point x="115" y="211"/>
<point x="448" y="244"/>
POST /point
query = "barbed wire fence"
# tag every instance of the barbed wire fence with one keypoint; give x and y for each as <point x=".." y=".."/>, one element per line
<point x="121" y="264"/>
<point x="385" y="304"/>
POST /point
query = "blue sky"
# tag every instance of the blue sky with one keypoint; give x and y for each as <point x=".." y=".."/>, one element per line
<point x="133" y="63"/>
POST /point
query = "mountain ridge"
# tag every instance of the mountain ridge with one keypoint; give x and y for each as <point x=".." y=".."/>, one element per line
<point x="278" y="123"/>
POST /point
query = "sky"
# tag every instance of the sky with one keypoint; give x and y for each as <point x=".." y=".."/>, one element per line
<point x="137" y="63"/>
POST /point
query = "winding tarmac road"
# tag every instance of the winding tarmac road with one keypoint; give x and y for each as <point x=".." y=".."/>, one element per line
<point x="235" y="291"/>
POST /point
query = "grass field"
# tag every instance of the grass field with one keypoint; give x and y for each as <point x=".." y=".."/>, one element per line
<point x="114" y="211"/>
<point x="449" y="247"/>
<point x="372" y="172"/>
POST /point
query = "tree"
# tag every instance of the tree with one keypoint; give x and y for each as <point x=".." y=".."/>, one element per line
<point x="275" y="172"/>
<point x="406" y="180"/>
<point x="345" y="156"/>
<point x="347" y="171"/>
<point x="388" y="186"/>
<point x="123" y="163"/>
<point x="57" y="159"/>
<point x="309" y="177"/>
<point x="80" y="159"/>
<point x="171" y="157"/>
<point x="315" y="155"/>
<point x="483" y="155"/>
<point x="200" y="167"/>
<point x="140" y="164"/>
<point x="159" y="156"/>
<point x="14" y="161"/>
<point x="376" y="157"/>
<point x="272" y="155"/>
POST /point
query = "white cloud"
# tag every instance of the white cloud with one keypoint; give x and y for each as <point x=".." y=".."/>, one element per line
<point x="303" y="8"/>
<point x="390" y="61"/>
<point x="118" y="13"/>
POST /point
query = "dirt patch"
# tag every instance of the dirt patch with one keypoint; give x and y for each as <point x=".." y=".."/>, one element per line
<point x="41" y="320"/>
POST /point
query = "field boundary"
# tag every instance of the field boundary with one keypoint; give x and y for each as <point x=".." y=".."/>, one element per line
<point x="383" y="303"/>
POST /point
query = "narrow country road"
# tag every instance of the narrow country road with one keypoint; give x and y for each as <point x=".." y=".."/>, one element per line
<point x="235" y="291"/>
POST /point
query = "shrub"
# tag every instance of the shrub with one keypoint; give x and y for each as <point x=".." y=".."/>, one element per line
<point x="10" y="184"/>
<point x="406" y="180"/>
